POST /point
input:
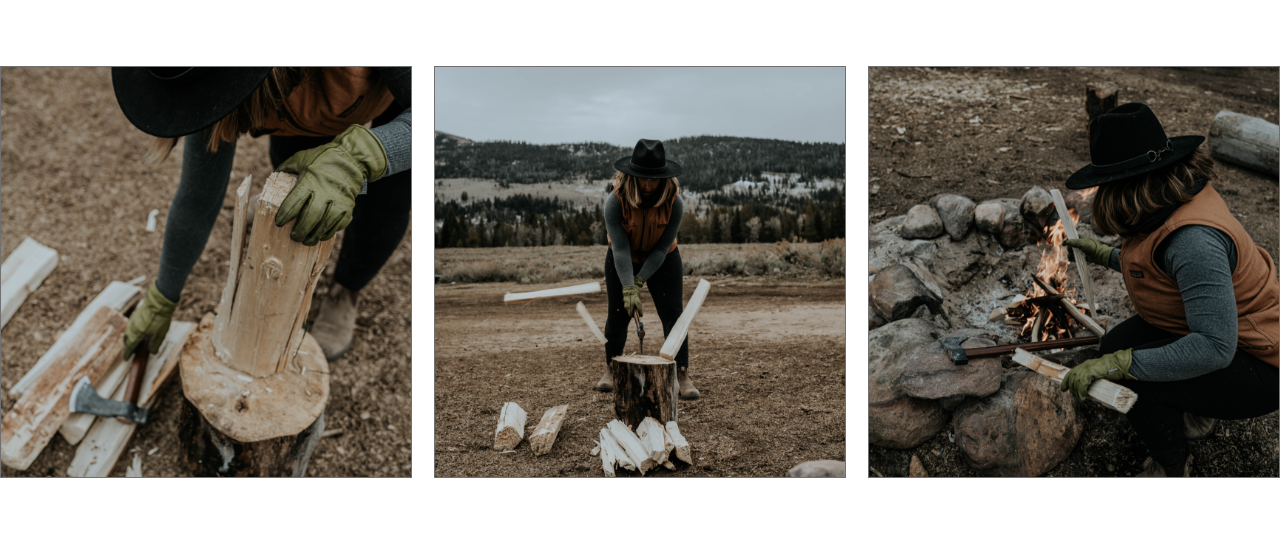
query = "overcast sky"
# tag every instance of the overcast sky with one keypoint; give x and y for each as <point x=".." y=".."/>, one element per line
<point x="622" y="105"/>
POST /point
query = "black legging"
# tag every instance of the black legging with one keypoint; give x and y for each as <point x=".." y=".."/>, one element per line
<point x="380" y="217"/>
<point x="1247" y="388"/>
<point x="667" y="289"/>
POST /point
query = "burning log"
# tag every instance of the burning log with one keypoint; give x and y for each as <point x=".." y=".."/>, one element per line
<point x="1075" y="313"/>
<point x="1038" y="324"/>
<point x="1109" y="394"/>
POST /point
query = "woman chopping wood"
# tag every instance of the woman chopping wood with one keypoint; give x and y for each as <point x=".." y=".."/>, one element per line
<point x="642" y="220"/>
<point x="349" y="177"/>
<point x="1203" y="344"/>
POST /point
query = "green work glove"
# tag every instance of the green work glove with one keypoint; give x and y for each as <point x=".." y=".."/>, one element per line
<point x="1095" y="251"/>
<point x="639" y="281"/>
<point x="1113" y="366"/>
<point x="329" y="178"/>
<point x="151" y="318"/>
<point x="631" y="300"/>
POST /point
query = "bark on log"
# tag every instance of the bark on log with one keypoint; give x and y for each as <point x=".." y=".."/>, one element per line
<point x="36" y="417"/>
<point x="643" y="387"/>
<point x="1098" y="99"/>
<point x="23" y="272"/>
<point x="117" y="296"/>
<point x="544" y="435"/>
<point x="209" y="452"/>
<point x="510" y="429"/>
<point x="107" y="439"/>
<point x="1246" y="141"/>
<point x="1107" y="393"/>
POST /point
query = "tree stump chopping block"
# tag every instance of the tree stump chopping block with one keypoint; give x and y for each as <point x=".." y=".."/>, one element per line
<point x="256" y="383"/>
<point x="644" y="387"/>
<point x="233" y="424"/>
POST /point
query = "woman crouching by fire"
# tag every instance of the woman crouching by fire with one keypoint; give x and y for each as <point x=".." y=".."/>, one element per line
<point x="1203" y="345"/>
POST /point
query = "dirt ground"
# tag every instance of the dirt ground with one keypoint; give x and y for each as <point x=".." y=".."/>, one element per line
<point x="73" y="177"/>
<point x="997" y="132"/>
<point x="768" y="357"/>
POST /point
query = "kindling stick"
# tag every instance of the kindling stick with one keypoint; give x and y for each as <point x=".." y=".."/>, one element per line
<point x="1109" y="394"/>
<point x="1071" y="309"/>
<point x="1081" y="265"/>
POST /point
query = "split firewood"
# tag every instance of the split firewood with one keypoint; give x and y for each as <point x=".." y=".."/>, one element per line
<point x="591" y="323"/>
<point x="651" y="437"/>
<point x="1107" y="393"/>
<point x="23" y="272"/>
<point x="102" y="446"/>
<point x="681" y="329"/>
<point x="1037" y="325"/>
<point x="681" y="446"/>
<point x="611" y="452"/>
<point x="117" y="296"/>
<point x="510" y="427"/>
<point x="595" y="450"/>
<point x="28" y="427"/>
<point x="1071" y="310"/>
<point x="554" y="292"/>
<point x="1082" y="266"/>
<point x="1004" y="310"/>
<point x="632" y="446"/>
<point x="544" y="435"/>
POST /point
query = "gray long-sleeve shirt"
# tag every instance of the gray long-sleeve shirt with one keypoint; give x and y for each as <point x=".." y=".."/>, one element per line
<point x="1200" y="259"/>
<point x="622" y="243"/>
<point x="205" y="177"/>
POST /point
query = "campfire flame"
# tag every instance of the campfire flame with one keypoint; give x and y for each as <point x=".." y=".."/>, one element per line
<point x="1052" y="270"/>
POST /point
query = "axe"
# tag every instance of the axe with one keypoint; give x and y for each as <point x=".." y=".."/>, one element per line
<point x="84" y="398"/>
<point x="960" y="355"/>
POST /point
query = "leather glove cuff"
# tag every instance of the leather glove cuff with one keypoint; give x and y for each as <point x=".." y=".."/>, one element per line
<point x="363" y="147"/>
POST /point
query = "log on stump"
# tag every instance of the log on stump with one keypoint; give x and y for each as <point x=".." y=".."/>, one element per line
<point x="510" y="430"/>
<point x="255" y="382"/>
<point x="644" y="387"/>
<point x="1246" y="141"/>
<point x="544" y="436"/>
<point x="1098" y="99"/>
<point x="27" y="428"/>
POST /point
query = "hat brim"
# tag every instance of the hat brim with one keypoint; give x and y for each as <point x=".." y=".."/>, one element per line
<point x="1086" y="177"/>
<point x="671" y="169"/>
<point x="172" y="110"/>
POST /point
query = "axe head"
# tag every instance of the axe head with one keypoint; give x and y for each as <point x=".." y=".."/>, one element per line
<point x="85" y="399"/>
<point x="954" y="351"/>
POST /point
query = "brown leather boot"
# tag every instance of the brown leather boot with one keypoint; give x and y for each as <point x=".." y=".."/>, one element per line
<point x="687" y="391"/>
<point x="605" y="384"/>
<point x="335" y="326"/>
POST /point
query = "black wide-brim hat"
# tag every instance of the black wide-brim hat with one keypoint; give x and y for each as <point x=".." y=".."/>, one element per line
<point x="648" y="161"/>
<point x="173" y="102"/>
<point x="1128" y="141"/>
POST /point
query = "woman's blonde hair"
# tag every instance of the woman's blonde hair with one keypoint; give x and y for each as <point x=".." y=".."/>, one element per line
<point x="252" y="114"/>
<point x="630" y="188"/>
<point x="1120" y="206"/>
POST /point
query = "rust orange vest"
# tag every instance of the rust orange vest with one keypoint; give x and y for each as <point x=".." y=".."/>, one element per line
<point x="338" y="98"/>
<point x="1158" y="300"/>
<point x="644" y="226"/>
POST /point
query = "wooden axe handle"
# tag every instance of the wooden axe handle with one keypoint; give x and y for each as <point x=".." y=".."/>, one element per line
<point x="137" y="370"/>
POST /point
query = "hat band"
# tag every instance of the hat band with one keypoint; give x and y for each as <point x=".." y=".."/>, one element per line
<point x="1151" y="156"/>
<point x="633" y="165"/>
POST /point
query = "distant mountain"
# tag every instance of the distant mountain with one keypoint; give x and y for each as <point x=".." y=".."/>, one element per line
<point x="709" y="162"/>
<point x="446" y="137"/>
